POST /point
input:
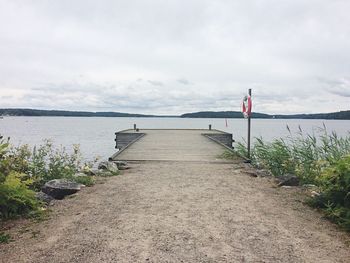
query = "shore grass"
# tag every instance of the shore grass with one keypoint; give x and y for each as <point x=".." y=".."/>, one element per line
<point x="322" y="159"/>
<point x="23" y="171"/>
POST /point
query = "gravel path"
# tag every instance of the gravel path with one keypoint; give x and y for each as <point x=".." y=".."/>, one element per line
<point x="175" y="211"/>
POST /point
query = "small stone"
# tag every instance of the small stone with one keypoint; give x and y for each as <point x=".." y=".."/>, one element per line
<point x="288" y="180"/>
<point x="79" y="174"/>
<point x="45" y="198"/>
<point x="315" y="194"/>
<point x="251" y="173"/>
<point x="109" y="166"/>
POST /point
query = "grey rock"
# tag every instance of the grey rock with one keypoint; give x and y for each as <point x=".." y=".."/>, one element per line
<point x="59" y="188"/>
<point x="45" y="198"/>
<point x="79" y="174"/>
<point x="122" y="165"/>
<point x="108" y="166"/>
<point x="104" y="173"/>
<point x="288" y="180"/>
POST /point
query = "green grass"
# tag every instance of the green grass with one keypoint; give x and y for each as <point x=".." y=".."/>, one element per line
<point x="228" y="155"/>
<point x="322" y="159"/>
<point x="4" y="238"/>
<point x="85" y="180"/>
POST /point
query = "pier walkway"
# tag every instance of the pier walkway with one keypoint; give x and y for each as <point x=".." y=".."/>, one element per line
<point x="179" y="202"/>
<point x="173" y="145"/>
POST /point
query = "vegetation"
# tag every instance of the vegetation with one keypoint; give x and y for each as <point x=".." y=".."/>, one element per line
<point x="4" y="238"/>
<point x="342" y="115"/>
<point x="33" y="112"/>
<point x="322" y="160"/>
<point x="23" y="171"/>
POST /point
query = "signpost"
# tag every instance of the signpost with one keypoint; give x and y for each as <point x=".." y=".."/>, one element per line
<point x="247" y="112"/>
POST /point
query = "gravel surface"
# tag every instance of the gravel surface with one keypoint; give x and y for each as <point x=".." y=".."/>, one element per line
<point x="180" y="212"/>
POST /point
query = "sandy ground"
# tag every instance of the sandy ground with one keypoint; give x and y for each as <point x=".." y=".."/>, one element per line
<point x="180" y="212"/>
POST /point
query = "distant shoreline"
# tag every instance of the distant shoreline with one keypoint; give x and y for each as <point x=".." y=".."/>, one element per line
<point x="342" y="115"/>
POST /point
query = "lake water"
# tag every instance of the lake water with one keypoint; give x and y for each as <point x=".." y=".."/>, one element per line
<point x="96" y="135"/>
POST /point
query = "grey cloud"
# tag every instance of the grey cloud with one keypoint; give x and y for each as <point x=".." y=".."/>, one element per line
<point x="184" y="81"/>
<point x="156" y="83"/>
<point x="120" y="55"/>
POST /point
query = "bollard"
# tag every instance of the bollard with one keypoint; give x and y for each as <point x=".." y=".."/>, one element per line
<point x="134" y="127"/>
<point x="209" y="127"/>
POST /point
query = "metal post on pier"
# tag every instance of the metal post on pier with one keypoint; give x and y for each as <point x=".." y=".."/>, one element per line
<point x="209" y="127"/>
<point x="134" y="127"/>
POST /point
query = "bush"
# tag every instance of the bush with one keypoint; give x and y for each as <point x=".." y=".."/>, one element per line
<point x="15" y="197"/>
<point x="322" y="160"/>
<point x="45" y="163"/>
<point x="24" y="171"/>
<point x="334" y="183"/>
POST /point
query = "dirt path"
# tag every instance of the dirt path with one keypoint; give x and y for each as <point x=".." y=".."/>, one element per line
<point x="180" y="212"/>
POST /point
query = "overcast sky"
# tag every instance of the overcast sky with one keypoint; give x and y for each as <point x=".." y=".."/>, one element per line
<point x="173" y="56"/>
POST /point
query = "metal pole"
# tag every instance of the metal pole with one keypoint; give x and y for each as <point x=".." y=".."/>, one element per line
<point x="248" y="146"/>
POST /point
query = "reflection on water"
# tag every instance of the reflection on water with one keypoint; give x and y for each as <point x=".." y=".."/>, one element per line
<point x="96" y="135"/>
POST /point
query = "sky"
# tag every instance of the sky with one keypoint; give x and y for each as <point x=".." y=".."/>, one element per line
<point x="175" y="56"/>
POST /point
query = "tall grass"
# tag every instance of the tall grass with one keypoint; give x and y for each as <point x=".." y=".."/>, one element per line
<point x="321" y="158"/>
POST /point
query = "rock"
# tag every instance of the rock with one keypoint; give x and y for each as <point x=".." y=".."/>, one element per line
<point x="263" y="173"/>
<point x="79" y="174"/>
<point x="121" y="165"/>
<point x="309" y="186"/>
<point x="59" y="188"/>
<point x="109" y="166"/>
<point x="288" y="180"/>
<point x="251" y="173"/>
<point x="315" y="194"/>
<point x="105" y="173"/>
<point x="91" y="172"/>
<point x="45" y="198"/>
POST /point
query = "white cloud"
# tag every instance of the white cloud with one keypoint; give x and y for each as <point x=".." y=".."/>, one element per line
<point x="175" y="56"/>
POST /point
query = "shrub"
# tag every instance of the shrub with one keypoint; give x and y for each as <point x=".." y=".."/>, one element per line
<point x="15" y="197"/>
<point x="322" y="160"/>
<point x="23" y="171"/>
<point x="334" y="183"/>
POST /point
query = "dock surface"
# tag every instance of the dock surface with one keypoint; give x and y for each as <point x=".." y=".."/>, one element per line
<point x="179" y="203"/>
<point x="173" y="145"/>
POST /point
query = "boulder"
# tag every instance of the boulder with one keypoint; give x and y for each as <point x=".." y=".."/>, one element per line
<point x="122" y="165"/>
<point x="59" y="188"/>
<point x="45" y="198"/>
<point x="108" y="166"/>
<point x="288" y="180"/>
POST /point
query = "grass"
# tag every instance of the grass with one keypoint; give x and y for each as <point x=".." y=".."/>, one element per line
<point x="228" y="155"/>
<point x="322" y="159"/>
<point x="4" y="238"/>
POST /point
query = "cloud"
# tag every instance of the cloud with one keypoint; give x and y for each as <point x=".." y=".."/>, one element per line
<point x="156" y="83"/>
<point x="132" y="56"/>
<point x="184" y="81"/>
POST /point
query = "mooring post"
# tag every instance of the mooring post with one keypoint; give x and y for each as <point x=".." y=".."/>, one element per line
<point x="209" y="127"/>
<point x="134" y="127"/>
<point x="248" y="146"/>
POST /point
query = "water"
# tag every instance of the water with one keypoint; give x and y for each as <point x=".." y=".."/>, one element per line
<point x="96" y="135"/>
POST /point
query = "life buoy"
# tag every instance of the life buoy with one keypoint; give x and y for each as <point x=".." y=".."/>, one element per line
<point x="247" y="106"/>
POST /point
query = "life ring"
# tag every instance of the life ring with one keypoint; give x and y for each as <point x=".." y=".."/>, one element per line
<point x="247" y="106"/>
